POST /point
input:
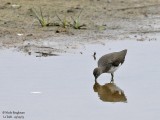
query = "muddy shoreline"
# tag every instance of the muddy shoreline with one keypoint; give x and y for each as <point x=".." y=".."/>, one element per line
<point x="104" y="20"/>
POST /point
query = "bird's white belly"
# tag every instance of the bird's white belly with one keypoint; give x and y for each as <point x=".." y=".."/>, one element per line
<point x="113" y="69"/>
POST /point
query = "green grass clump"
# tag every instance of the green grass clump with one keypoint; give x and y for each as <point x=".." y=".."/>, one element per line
<point x="76" y="22"/>
<point x="64" y="22"/>
<point x="40" y="17"/>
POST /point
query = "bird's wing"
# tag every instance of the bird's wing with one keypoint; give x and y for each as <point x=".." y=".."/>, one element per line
<point x="106" y="59"/>
<point x="113" y="58"/>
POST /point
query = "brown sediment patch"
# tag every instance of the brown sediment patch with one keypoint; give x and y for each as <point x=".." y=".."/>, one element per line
<point x="104" y="20"/>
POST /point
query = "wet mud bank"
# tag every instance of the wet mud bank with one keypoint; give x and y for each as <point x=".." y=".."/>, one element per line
<point x="104" y="20"/>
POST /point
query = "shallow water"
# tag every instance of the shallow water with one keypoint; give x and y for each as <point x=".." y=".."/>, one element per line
<point x="61" y="87"/>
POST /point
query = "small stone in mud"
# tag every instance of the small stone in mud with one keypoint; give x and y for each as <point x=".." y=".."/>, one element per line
<point x="60" y="30"/>
<point x="8" y="3"/>
<point x="81" y="52"/>
<point x="78" y="7"/>
<point x="15" y="6"/>
<point x="30" y="35"/>
<point x="70" y="10"/>
<point x="57" y="31"/>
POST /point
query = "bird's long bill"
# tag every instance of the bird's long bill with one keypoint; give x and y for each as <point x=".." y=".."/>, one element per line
<point x="95" y="79"/>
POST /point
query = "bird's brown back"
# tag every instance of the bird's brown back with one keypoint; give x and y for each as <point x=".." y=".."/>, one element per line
<point x="114" y="58"/>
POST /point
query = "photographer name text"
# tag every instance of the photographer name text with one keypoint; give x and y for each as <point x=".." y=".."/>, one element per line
<point x="13" y="114"/>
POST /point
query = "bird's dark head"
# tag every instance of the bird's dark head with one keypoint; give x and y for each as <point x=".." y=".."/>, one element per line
<point x="96" y="73"/>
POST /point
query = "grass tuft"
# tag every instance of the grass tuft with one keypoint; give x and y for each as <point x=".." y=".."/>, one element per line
<point x="76" y="22"/>
<point x="64" y="22"/>
<point x="40" y="17"/>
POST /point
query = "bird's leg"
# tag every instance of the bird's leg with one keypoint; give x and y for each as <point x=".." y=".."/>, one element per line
<point x="112" y="80"/>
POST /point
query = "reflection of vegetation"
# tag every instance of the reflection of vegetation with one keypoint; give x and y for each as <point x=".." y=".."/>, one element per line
<point x="40" y="17"/>
<point x="76" y="22"/>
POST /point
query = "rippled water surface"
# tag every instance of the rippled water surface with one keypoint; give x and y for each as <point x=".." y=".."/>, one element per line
<point x="63" y="87"/>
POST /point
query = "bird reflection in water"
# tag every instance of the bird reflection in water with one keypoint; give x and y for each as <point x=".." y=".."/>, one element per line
<point x="109" y="92"/>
